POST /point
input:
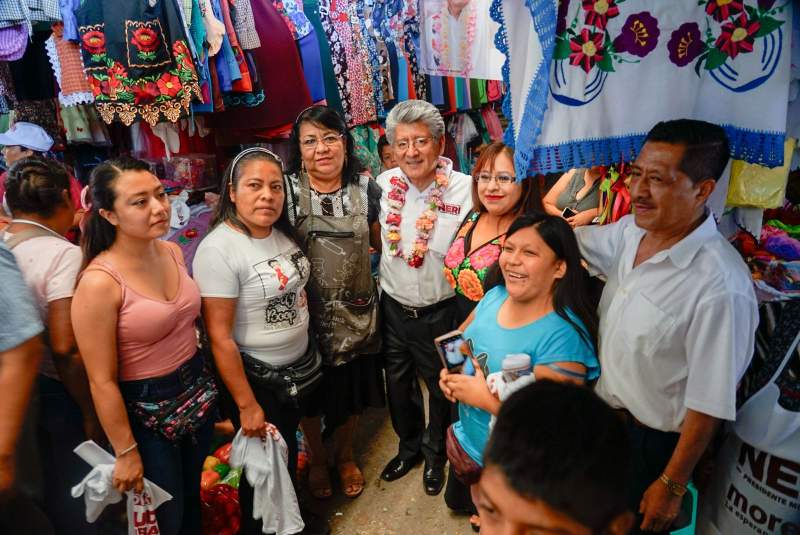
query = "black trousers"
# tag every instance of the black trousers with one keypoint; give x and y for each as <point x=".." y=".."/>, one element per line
<point x="408" y="350"/>
<point x="651" y="451"/>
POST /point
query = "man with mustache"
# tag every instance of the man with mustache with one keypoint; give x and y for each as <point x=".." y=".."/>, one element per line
<point x="677" y="315"/>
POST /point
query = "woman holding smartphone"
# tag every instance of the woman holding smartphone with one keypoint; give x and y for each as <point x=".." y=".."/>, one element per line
<point x="576" y="196"/>
<point x="542" y="309"/>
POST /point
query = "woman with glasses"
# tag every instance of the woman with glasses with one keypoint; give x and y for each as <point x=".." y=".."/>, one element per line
<point x="334" y="208"/>
<point x="498" y="198"/>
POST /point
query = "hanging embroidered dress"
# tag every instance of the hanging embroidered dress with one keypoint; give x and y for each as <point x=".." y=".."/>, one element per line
<point x="137" y="60"/>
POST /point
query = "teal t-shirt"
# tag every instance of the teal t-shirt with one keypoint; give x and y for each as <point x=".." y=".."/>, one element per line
<point x="549" y="339"/>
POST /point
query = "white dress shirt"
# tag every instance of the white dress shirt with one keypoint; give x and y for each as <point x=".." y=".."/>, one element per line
<point x="677" y="331"/>
<point x="426" y="285"/>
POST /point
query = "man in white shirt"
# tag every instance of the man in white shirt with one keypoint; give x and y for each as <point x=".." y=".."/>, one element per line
<point x="677" y="315"/>
<point x="422" y="206"/>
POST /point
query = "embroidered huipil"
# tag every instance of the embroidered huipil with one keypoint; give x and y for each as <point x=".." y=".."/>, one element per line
<point x="137" y="60"/>
<point x="467" y="263"/>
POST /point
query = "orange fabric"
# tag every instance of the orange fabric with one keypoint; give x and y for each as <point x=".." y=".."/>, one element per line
<point x="69" y="56"/>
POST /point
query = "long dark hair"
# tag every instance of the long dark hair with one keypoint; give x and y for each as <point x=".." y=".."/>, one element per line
<point x="329" y="118"/>
<point x="99" y="234"/>
<point x="226" y="208"/>
<point x="571" y="292"/>
<point x="36" y="185"/>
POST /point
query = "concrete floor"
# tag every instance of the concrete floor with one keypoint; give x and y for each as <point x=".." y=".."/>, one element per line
<point x="399" y="507"/>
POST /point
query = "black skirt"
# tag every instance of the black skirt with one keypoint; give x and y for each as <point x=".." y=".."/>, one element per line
<point x="347" y="390"/>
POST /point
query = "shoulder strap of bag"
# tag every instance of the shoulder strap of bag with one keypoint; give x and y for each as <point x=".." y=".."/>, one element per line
<point x="25" y="235"/>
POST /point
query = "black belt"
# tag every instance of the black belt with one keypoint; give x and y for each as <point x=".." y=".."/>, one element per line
<point x="417" y="312"/>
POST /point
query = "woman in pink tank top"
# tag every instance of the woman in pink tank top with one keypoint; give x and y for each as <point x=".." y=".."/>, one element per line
<point x="133" y="314"/>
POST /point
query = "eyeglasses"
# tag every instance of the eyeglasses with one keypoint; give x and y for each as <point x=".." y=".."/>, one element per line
<point x="502" y="179"/>
<point x="419" y="143"/>
<point x="327" y="140"/>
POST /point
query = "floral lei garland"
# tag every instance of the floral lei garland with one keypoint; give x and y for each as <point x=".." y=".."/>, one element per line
<point x="425" y="223"/>
<point x="441" y="42"/>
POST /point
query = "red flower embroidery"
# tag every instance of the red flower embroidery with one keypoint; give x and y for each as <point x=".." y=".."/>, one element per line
<point x="94" y="42"/>
<point x="145" y="39"/>
<point x="455" y="254"/>
<point x="738" y="36"/>
<point x="145" y="93"/>
<point x="723" y="9"/>
<point x="94" y="83"/>
<point x="169" y="84"/>
<point x="118" y="70"/>
<point x="178" y="48"/>
<point x="110" y="85"/>
<point x="587" y="49"/>
<point x="599" y="11"/>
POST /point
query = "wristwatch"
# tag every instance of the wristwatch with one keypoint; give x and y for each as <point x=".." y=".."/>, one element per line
<point x="674" y="487"/>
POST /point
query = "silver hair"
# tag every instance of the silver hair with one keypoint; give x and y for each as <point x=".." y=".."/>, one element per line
<point x="412" y="111"/>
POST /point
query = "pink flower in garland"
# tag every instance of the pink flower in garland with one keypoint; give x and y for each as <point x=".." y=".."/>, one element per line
<point x="639" y="35"/>
<point x="586" y="49"/>
<point x="722" y="9"/>
<point x="599" y="11"/>
<point x="738" y="36"/>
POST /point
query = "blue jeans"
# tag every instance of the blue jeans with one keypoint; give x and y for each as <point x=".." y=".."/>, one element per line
<point x="173" y="466"/>
<point x="59" y="430"/>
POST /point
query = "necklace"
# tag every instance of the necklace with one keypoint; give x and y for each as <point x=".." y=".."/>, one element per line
<point x="425" y="222"/>
<point x="440" y="42"/>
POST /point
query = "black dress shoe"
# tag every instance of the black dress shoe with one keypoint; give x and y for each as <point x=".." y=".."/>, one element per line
<point x="433" y="479"/>
<point x="397" y="468"/>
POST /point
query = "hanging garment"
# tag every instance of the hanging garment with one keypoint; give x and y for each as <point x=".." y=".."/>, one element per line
<point x="369" y="52"/>
<point x="82" y="125"/>
<point x="312" y="65"/>
<point x="137" y="60"/>
<point x="68" y="8"/>
<point x="65" y="59"/>
<point x="354" y="76"/>
<point x="291" y="11"/>
<point x="245" y="25"/>
<point x="573" y="110"/>
<point x="215" y="30"/>
<point x="280" y="73"/>
<point x="311" y="9"/>
<point x="244" y="83"/>
<point x="13" y="42"/>
<point x="366" y="148"/>
<point x="33" y="79"/>
<point x="459" y="43"/>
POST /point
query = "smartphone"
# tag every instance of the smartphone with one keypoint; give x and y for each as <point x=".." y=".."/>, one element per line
<point x="568" y="212"/>
<point x="452" y="350"/>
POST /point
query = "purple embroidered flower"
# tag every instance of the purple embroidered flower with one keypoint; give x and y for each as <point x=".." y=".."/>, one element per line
<point x="639" y="35"/>
<point x="685" y="44"/>
<point x="765" y="5"/>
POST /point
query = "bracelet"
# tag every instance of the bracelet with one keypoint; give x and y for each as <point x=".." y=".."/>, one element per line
<point x="674" y="487"/>
<point x="127" y="450"/>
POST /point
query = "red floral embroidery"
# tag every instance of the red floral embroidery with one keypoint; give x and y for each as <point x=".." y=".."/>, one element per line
<point x="94" y="42"/>
<point x="738" y="36"/>
<point x="586" y="49"/>
<point x="94" y="83"/>
<point x="599" y="11"/>
<point x="722" y="9"/>
<point x="145" y="39"/>
<point x="169" y="84"/>
<point x="145" y="93"/>
<point x="179" y="48"/>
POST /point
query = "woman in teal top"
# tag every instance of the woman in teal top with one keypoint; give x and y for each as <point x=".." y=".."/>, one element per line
<point x="542" y="309"/>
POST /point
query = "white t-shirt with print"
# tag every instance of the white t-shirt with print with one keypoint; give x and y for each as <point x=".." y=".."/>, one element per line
<point x="267" y="277"/>
<point x="50" y="267"/>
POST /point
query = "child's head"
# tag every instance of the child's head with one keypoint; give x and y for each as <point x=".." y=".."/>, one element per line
<point x="557" y="462"/>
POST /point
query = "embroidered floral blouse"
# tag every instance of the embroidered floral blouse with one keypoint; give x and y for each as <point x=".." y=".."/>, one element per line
<point x="465" y="266"/>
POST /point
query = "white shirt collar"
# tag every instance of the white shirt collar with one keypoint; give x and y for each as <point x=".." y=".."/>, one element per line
<point x="682" y="253"/>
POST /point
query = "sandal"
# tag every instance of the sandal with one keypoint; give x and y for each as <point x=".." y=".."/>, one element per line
<point x="352" y="479"/>
<point x="319" y="481"/>
<point x="475" y="523"/>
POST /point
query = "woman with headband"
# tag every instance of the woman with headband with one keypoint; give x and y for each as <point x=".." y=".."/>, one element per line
<point x="37" y="191"/>
<point x="334" y="208"/>
<point x="134" y="313"/>
<point x="252" y="277"/>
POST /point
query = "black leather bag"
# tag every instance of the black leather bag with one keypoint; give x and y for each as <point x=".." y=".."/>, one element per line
<point x="290" y="383"/>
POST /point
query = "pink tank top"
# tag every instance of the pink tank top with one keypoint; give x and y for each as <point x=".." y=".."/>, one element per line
<point x="154" y="337"/>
